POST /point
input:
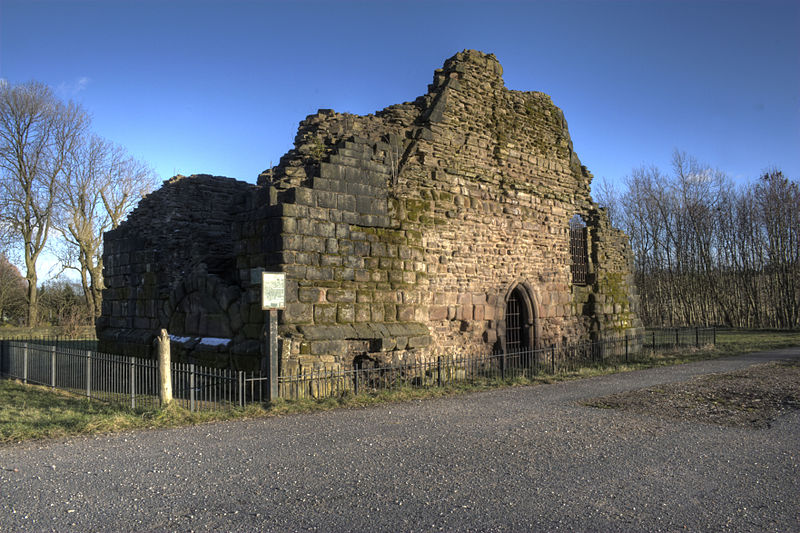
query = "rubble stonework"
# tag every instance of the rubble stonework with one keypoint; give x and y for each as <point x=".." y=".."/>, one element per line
<point x="403" y="235"/>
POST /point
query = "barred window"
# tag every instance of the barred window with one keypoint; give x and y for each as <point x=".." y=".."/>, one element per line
<point x="578" y="250"/>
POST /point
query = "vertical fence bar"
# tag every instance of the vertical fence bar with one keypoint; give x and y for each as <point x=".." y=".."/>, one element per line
<point x="697" y="337"/>
<point x="53" y="366"/>
<point x="714" y="329"/>
<point x="89" y="374"/>
<point x="439" y="371"/>
<point x="25" y="362"/>
<point x="552" y="358"/>
<point x="192" y="398"/>
<point x="132" y="365"/>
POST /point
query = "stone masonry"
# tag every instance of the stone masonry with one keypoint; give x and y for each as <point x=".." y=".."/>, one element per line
<point x="403" y="235"/>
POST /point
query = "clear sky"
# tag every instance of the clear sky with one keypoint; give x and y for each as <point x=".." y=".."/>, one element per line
<point x="219" y="86"/>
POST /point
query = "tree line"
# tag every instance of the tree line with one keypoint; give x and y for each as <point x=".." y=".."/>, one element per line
<point x="707" y="251"/>
<point x="59" y="182"/>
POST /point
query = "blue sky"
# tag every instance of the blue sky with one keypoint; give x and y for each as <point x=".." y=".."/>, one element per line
<point x="219" y="86"/>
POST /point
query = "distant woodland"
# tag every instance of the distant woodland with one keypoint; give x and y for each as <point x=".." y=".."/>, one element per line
<point x="707" y="251"/>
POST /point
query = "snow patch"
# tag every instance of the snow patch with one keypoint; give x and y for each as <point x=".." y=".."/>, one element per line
<point x="214" y="341"/>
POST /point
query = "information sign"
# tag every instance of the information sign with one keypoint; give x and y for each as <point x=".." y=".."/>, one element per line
<point x="273" y="290"/>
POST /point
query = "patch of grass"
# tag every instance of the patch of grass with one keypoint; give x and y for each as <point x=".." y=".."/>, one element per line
<point x="735" y="342"/>
<point x="31" y="412"/>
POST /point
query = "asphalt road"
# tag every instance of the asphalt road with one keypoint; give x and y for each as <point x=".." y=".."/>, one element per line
<point x="520" y="459"/>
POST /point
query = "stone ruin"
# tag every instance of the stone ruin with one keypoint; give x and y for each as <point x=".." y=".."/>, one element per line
<point x="460" y="222"/>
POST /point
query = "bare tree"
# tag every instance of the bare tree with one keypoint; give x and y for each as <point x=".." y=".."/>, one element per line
<point x="127" y="181"/>
<point x="12" y="292"/>
<point x="708" y="252"/>
<point x="606" y="194"/>
<point x="101" y="185"/>
<point x="37" y="133"/>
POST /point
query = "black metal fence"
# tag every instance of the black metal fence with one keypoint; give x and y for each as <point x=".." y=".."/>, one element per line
<point x="135" y="382"/>
<point x="451" y="369"/>
<point x="116" y="378"/>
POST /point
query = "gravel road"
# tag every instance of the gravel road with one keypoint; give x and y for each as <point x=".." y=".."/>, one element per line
<point x="520" y="459"/>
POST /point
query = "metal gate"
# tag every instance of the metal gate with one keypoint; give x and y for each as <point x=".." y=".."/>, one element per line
<point x="516" y="340"/>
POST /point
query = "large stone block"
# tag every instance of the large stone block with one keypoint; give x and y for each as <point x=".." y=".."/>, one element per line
<point x="298" y="313"/>
<point x="345" y="313"/>
<point x="362" y="312"/>
<point x="437" y="312"/>
<point x="341" y="295"/>
<point x="324" y="313"/>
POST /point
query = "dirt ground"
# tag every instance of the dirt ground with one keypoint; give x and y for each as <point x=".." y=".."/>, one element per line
<point x="752" y="397"/>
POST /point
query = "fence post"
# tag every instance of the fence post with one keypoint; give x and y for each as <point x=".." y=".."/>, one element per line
<point x="553" y="359"/>
<point x="697" y="336"/>
<point x="89" y="374"/>
<point x="132" y="363"/>
<point x="503" y="366"/>
<point x="677" y="342"/>
<point x="355" y="378"/>
<point x="715" y="335"/>
<point x="53" y="366"/>
<point x="192" y="384"/>
<point x="164" y="369"/>
<point x="439" y="371"/>
<point x="654" y="342"/>
<point x="25" y="362"/>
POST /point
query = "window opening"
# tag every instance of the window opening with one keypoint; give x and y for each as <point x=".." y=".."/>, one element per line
<point x="578" y="250"/>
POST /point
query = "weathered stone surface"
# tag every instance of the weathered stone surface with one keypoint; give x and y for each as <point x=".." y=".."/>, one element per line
<point x="407" y="233"/>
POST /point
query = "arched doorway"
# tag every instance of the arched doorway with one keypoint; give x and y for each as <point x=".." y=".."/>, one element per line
<point x="519" y="328"/>
<point x="516" y="322"/>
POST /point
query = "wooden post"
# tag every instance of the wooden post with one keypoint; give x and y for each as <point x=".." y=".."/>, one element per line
<point x="273" y="298"/>
<point x="164" y="369"/>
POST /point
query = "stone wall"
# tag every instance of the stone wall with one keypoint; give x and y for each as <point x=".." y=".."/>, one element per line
<point x="402" y="234"/>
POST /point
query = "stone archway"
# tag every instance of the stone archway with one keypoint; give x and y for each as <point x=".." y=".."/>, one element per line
<point x="519" y="330"/>
<point x="201" y="306"/>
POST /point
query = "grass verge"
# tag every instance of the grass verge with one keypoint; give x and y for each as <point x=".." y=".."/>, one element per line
<point x="30" y="412"/>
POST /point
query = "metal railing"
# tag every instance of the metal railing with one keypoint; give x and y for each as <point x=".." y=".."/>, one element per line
<point x="116" y="378"/>
<point x="134" y="381"/>
<point x="450" y="369"/>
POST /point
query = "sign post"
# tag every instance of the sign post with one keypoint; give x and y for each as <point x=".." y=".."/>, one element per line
<point x="273" y="297"/>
